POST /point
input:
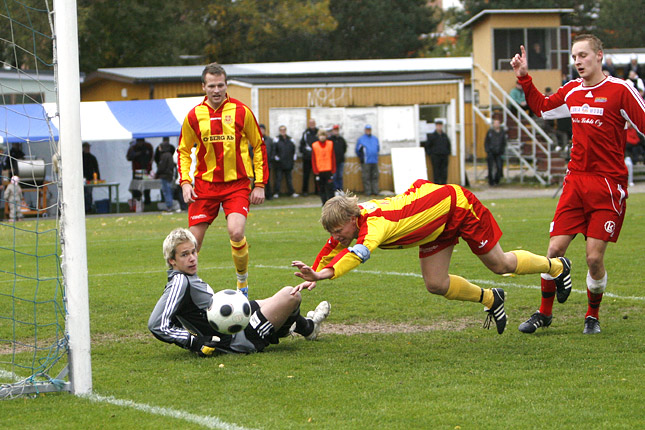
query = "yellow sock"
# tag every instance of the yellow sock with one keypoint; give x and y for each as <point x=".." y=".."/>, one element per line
<point x="240" y="251"/>
<point x="527" y="262"/>
<point x="461" y="289"/>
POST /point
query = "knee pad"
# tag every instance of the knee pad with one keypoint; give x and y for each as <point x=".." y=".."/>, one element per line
<point x="596" y="286"/>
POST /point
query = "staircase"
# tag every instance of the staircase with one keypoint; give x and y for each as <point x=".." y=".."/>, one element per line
<point x="530" y="151"/>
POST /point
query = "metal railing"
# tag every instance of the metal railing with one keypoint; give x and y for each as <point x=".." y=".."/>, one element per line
<point x="528" y="131"/>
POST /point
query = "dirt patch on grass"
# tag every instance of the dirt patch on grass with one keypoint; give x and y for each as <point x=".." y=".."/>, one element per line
<point x="377" y="327"/>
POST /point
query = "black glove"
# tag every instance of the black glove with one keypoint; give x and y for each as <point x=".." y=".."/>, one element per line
<point x="204" y="346"/>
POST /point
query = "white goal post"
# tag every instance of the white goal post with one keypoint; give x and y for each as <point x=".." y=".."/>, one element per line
<point x="73" y="235"/>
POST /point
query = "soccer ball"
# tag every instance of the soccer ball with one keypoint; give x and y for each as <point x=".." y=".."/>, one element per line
<point x="229" y="312"/>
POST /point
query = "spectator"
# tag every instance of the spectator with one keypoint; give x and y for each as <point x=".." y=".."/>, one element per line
<point x="340" y="148"/>
<point x="495" y="146"/>
<point x="633" y="141"/>
<point x="13" y="195"/>
<point x="309" y="136"/>
<point x="367" y="149"/>
<point x="609" y="66"/>
<point x="437" y="146"/>
<point x="11" y="160"/>
<point x="140" y="154"/>
<point x="537" y="59"/>
<point x="517" y="94"/>
<point x="284" y="154"/>
<point x="633" y="66"/>
<point x="90" y="173"/>
<point x="635" y="81"/>
<point x="269" y="146"/>
<point x="323" y="164"/>
<point x="3" y="174"/>
<point x="166" y="170"/>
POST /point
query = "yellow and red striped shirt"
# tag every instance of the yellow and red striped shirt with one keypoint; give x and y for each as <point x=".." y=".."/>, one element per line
<point x="222" y="138"/>
<point x="417" y="217"/>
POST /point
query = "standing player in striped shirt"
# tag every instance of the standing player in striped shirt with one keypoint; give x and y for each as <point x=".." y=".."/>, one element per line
<point x="432" y="217"/>
<point x="221" y="129"/>
<point x="594" y="192"/>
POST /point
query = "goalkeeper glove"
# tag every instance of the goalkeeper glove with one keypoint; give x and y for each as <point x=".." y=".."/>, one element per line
<point x="204" y="346"/>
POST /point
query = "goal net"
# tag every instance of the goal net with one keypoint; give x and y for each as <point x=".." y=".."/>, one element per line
<point x="40" y="227"/>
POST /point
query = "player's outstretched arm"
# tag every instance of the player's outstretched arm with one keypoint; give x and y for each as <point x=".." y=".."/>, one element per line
<point x="519" y="63"/>
<point x="309" y="274"/>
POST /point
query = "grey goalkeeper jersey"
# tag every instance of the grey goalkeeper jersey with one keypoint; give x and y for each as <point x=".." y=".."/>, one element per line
<point x="185" y="297"/>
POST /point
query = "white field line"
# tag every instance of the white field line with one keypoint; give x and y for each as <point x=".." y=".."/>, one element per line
<point x="486" y="282"/>
<point x="206" y="421"/>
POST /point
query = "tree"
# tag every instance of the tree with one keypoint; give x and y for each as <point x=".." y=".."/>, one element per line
<point x="619" y="26"/>
<point x="26" y="36"/>
<point x="381" y="28"/>
<point x="247" y="31"/>
<point x="118" y="33"/>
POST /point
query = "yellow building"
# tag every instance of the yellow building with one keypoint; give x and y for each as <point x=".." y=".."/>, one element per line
<point x="399" y="98"/>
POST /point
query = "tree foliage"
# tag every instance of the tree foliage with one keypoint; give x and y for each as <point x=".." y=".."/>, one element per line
<point x="120" y="33"/>
<point x="619" y="26"/>
<point x="247" y="31"/>
<point x="381" y="28"/>
<point x="26" y="34"/>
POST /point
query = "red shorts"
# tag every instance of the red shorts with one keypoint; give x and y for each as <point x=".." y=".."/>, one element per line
<point x="592" y="205"/>
<point x="233" y="196"/>
<point x="476" y="225"/>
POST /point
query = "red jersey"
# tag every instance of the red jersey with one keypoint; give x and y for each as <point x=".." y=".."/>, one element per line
<point x="598" y="116"/>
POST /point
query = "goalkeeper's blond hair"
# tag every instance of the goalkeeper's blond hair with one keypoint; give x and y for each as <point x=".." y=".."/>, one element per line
<point x="175" y="238"/>
<point x="339" y="210"/>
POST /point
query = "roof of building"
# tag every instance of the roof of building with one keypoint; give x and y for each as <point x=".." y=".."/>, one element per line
<point x="296" y="68"/>
<point x="511" y="11"/>
<point x="347" y="79"/>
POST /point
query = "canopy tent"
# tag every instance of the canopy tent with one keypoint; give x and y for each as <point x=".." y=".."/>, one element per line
<point x="100" y="121"/>
<point x="110" y="126"/>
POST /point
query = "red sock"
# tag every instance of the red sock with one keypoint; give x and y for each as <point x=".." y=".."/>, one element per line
<point x="593" y="301"/>
<point x="548" y="294"/>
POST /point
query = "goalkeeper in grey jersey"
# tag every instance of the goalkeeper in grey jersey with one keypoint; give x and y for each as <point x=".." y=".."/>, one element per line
<point x="180" y="314"/>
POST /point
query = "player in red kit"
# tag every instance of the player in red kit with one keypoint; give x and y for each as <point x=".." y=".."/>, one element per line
<point x="594" y="192"/>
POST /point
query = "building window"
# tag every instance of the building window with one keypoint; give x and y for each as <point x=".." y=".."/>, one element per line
<point x="543" y="46"/>
<point x="21" y="99"/>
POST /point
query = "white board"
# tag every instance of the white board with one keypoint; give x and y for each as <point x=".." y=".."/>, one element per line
<point x="408" y="165"/>
<point x="295" y="119"/>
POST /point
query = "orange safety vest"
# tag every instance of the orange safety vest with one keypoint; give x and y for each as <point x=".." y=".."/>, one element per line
<point x="323" y="158"/>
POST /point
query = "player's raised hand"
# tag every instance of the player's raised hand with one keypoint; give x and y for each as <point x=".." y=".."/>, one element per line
<point x="519" y="63"/>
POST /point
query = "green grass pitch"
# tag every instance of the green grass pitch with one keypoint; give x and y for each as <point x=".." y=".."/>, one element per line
<point x="392" y="356"/>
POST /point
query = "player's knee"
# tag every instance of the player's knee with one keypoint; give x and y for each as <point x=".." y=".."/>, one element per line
<point x="435" y="288"/>
<point x="292" y="300"/>
<point x="555" y="251"/>
<point x="594" y="263"/>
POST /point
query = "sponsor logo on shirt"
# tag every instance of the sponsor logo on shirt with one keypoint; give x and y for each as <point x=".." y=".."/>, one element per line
<point x="218" y="138"/>
<point x="585" y="109"/>
<point x="589" y="95"/>
<point x="600" y="100"/>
